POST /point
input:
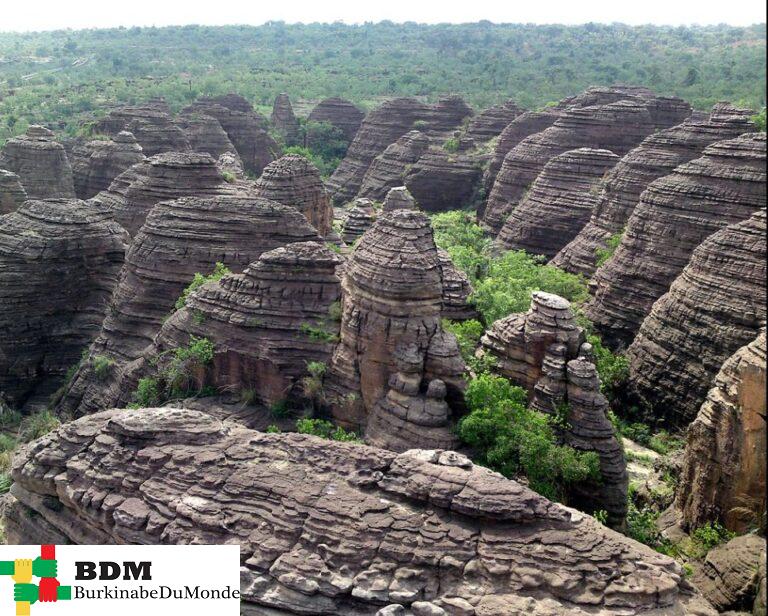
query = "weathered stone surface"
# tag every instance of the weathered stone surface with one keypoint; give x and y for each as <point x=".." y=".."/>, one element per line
<point x="392" y="298"/>
<point x="245" y="128"/>
<point x="523" y="126"/>
<point x="59" y="261"/>
<point x="96" y="164"/>
<point x="617" y="126"/>
<point x="284" y="120"/>
<point x="492" y="121"/>
<point x="334" y="528"/>
<point x="41" y="164"/>
<point x="399" y="198"/>
<point x="205" y="134"/>
<point x="385" y="125"/>
<point x="258" y="324"/>
<point x="339" y="112"/>
<point x="293" y="180"/>
<point x="675" y="214"/>
<point x="12" y="193"/>
<point x="388" y="169"/>
<point x="442" y="180"/>
<point x="729" y="576"/>
<point x="456" y="290"/>
<point x="723" y="476"/>
<point x="359" y="219"/>
<point x="151" y="124"/>
<point x="229" y="164"/>
<point x="179" y="238"/>
<point x="655" y="157"/>
<point x="714" y="307"/>
<point x="558" y="204"/>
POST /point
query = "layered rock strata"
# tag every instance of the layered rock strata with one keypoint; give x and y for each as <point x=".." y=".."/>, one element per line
<point x="340" y="113"/>
<point x="284" y="120"/>
<point x="559" y="203"/>
<point x="293" y="180"/>
<point x="96" y="164"/>
<point x="388" y="169"/>
<point x="399" y="198"/>
<point x="442" y="180"/>
<point x="178" y="239"/>
<point x="151" y="124"/>
<point x="675" y="214"/>
<point x="359" y="219"/>
<point x="655" y="157"/>
<point x="12" y="193"/>
<point x="714" y="307"/>
<point x="373" y="530"/>
<point x="41" y="164"/>
<point x="617" y="127"/>
<point x="59" y="261"/>
<point x="492" y="121"/>
<point x="723" y="477"/>
<point x="456" y="290"/>
<point x="205" y="134"/>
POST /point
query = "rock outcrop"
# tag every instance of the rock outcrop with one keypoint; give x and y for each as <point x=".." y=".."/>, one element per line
<point x="399" y="198"/>
<point x="558" y="204"/>
<point x="205" y="134"/>
<point x="388" y="169"/>
<point x="12" y="193"/>
<point x="492" y="121"/>
<point x="359" y="219"/>
<point x="714" y="307"/>
<point x="293" y="180"/>
<point x="284" y="120"/>
<point x="442" y="180"/>
<point x="151" y="124"/>
<point x="262" y="324"/>
<point x="423" y="530"/>
<point x="178" y="239"/>
<point x="723" y="477"/>
<point x="617" y="126"/>
<point x="456" y="290"/>
<point x="655" y="157"/>
<point x="675" y="214"/>
<point x="59" y="261"/>
<point x="96" y="164"/>
<point x="340" y="113"/>
<point x="41" y="164"/>
<point x="392" y="298"/>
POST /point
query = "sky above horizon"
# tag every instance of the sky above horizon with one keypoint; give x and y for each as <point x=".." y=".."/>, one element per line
<point x="32" y="15"/>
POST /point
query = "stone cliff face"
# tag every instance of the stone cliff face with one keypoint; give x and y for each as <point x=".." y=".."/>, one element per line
<point x="723" y="476"/>
<point x="179" y="238"/>
<point x="12" y="193"/>
<point x="559" y="203"/>
<point x="205" y="134"/>
<point x="617" y="126"/>
<point x="340" y="113"/>
<point x="359" y="219"/>
<point x="96" y="164"/>
<point x="388" y="169"/>
<point x="423" y="530"/>
<point x="293" y="180"/>
<point x="675" y="214"/>
<point x="655" y="157"/>
<point x="284" y="120"/>
<point x="59" y="260"/>
<point x="41" y="164"/>
<point x="714" y="307"/>
<point x="442" y="180"/>
<point x="492" y="121"/>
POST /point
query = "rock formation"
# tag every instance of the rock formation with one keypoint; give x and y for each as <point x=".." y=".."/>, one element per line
<point x="426" y="530"/>
<point x="359" y="219"/>
<point x="714" y="307"/>
<point x="456" y="290"/>
<point x="384" y="126"/>
<point x="151" y="124"/>
<point x="655" y="157"/>
<point x="261" y="323"/>
<point x="523" y="126"/>
<point x="284" y="120"/>
<point x="12" y="193"/>
<point x="399" y="198"/>
<point x="617" y="126"/>
<point x="59" y="260"/>
<point x="293" y="180"/>
<point x="178" y="239"/>
<point x="491" y="122"/>
<point x="675" y="214"/>
<point x="205" y="134"/>
<point x="230" y="166"/>
<point x="41" y="164"/>
<point x="723" y="477"/>
<point x="340" y="113"/>
<point x="392" y="297"/>
<point x="558" y="204"/>
<point x="388" y="169"/>
<point x="442" y="180"/>
<point x="97" y="163"/>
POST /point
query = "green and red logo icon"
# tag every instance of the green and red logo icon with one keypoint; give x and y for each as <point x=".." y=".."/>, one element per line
<point x="25" y="592"/>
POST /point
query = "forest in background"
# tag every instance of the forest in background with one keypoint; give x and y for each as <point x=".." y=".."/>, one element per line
<point x="61" y="78"/>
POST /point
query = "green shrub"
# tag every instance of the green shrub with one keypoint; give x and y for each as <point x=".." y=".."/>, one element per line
<point x="613" y="368"/>
<point x="102" y="366"/>
<point x="248" y="396"/>
<point x="451" y="145"/>
<point x="325" y="429"/>
<point x="280" y="409"/>
<point x="641" y="525"/>
<point x="759" y="119"/>
<point x="710" y="535"/>
<point x="468" y="334"/>
<point x="335" y="311"/>
<point x="147" y="393"/>
<point x="229" y="177"/>
<point x="612" y="243"/>
<point x="514" y="440"/>
<point x="273" y="429"/>
<point x="312" y="383"/>
<point x="318" y="334"/>
<point x="5" y="483"/>
<point x="198" y="280"/>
